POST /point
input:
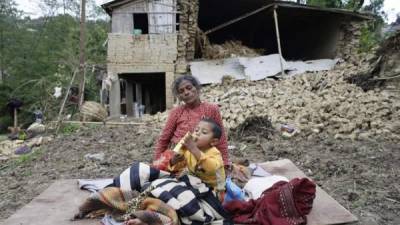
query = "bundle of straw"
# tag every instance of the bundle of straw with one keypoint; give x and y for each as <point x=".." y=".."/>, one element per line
<point x="93" y="111"/>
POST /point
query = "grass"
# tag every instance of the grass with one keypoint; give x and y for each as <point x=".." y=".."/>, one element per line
<point x="23" y="159"/>
<point x="36" y="154"/>
<point x="70" y="128"/>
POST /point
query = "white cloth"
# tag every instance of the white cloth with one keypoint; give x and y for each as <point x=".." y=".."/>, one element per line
<point x="256" y="185"/>
<point x="94" y="185"/>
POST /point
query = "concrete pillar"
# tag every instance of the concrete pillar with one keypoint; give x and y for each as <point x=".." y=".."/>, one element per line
<point x="129" y="98"/>
<point x="115" y="99"/>
<point x="169" y="98"/>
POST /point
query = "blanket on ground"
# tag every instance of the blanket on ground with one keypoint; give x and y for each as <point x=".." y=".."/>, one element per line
<point x="193" y="201"/>
<point x="115" y="201"/>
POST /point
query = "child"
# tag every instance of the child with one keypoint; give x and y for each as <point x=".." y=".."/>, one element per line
<point x="200" y="157"/>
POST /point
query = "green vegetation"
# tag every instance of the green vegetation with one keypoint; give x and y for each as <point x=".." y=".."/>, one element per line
<point x="370" y="34"/>
<point x="69" y="128"/>
<point x="29" y="157"/>
<point x="37" y="55"/>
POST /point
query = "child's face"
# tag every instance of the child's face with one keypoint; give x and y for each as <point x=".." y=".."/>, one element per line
<point x="204" y="136"/>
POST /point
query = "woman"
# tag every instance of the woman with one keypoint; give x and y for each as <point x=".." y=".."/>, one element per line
<point x="184" y="118"/>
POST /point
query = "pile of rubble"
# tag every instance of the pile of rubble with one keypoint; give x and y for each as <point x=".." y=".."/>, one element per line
<point x="229" y="49"/>
<point x="311" y="102"/>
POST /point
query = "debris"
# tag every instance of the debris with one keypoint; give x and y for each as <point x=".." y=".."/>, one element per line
<point x="229" y="49"/>
<point x="35" y="129"/>
<point x="95" y="157"/>
<point x="57" y="92"/>
<point x="312" y="102"/>
<point x="24" y="149"/>
<point x="254" y="68"/>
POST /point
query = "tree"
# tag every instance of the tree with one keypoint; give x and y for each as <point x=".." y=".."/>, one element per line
<point x="346" y="4"/>
<point x="40" y="54"/>
<point x="8" y="15"/>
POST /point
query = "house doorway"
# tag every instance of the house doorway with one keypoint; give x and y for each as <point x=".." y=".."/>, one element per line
<point x="142" y="89"/>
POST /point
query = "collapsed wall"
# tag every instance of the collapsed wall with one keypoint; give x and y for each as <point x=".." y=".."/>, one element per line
<point x="389" y="67"/>
<point x="348" y="43"/>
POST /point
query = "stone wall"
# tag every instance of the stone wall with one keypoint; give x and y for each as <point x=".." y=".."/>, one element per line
<point x="349" y="40"/>
<point x="187" y="33"/>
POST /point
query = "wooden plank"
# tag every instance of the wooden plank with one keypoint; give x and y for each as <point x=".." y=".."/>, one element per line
<point x="278" y="39"/>
<point x="55" y="206"/>
<point x="326" y="210"/>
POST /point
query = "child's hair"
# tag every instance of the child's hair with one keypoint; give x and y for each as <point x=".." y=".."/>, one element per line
<point x="216" y="129"/>
<point x="178" y="81"/>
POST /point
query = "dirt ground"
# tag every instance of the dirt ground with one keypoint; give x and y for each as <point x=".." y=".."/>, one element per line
<point x="362" y="175"/>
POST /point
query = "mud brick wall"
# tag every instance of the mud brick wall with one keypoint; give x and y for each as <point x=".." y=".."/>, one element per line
<point x="142" y="49"/>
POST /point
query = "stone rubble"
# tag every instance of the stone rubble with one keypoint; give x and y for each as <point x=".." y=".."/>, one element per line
<point x="311" y="102"/>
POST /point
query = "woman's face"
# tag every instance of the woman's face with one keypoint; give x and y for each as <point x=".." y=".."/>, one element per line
<point x="187" y="92"/>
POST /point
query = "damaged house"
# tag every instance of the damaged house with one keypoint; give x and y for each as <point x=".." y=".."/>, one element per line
<point x="153" y="41"/>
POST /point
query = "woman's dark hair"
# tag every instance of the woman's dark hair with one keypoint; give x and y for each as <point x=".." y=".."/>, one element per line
<point x="216" y="129"/>
<point x="178" y="81"/>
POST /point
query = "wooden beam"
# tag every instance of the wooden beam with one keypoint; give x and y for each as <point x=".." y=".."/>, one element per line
<point x="278" y="40"/>
<point x="238" y="19"/>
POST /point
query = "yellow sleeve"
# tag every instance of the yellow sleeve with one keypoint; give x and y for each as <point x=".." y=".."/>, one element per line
<point x="210" y="161"/>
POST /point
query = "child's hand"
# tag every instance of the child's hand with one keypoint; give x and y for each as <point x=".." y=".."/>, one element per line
<point x="176" y="158"/>
<point x="189" y="143"/>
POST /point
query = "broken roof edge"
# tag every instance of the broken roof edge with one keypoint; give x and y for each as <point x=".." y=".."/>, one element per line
<point x="110" y="6"/>
<point x="361" y="15"/>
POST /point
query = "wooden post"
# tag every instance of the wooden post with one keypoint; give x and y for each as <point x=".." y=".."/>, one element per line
<point x="278" y="40"/>
<point x="82" y="53"/>
<point x="129" y="98"/>
<point x="59" y="120"/>
<point x="15" y="118"/>
<point x="147" y="102"/>
<point x="139" y="93"/>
